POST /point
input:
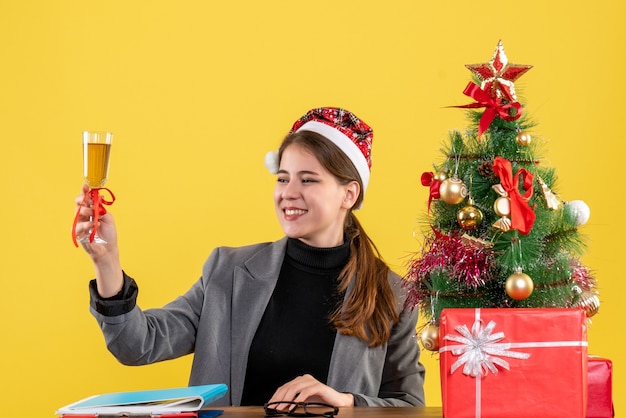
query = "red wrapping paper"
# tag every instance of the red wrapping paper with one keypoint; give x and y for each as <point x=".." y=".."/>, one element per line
<point x="550" y="383"/>
<point x="600" y="388"/>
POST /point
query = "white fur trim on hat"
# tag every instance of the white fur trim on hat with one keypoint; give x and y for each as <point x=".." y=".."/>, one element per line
<point x="344" y="143"/>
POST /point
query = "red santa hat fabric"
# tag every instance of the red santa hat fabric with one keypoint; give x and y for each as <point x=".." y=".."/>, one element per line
<point x="343" y="128"/>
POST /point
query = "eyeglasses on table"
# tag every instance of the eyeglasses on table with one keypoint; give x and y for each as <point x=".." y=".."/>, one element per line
<point x="300" y="409"/>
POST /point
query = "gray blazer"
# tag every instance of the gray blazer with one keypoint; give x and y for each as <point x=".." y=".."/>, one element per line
<point x="218" y="317"/>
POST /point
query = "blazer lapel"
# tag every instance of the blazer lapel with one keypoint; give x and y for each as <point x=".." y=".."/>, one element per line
<point x="348" y="353"/>
<point x="253" y="285"/>
<point x="346" y="360"/>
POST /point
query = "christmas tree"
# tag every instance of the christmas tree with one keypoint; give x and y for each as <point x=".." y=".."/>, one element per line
<point x="497" y="234"/>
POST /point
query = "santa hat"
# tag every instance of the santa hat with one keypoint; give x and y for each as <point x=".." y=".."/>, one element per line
<point x="344" y="129"/>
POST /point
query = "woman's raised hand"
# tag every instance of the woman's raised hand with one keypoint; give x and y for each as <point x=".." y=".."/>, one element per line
<point x="104" y="256"/>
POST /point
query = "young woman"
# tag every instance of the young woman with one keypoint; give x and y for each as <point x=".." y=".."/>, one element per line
<point x="315" y="316"/>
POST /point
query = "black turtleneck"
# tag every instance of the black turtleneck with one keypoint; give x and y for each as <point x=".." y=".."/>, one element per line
<point x="295" y="335"/>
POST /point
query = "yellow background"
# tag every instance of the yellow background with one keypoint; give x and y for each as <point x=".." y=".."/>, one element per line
<point x="197" y="91"/>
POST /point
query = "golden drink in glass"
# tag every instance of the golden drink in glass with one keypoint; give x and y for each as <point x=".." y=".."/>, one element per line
<point x="96" y="164"/>
<point x="96" y="153"/>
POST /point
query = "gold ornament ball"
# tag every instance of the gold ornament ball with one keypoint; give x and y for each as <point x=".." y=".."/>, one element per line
<point x="519" y="286"/>
<point x="523" y="139"/>
<point x="430" y="337"/>
<point x="469" y="217"/>
<point x="440" y="175"/>
<point x="590" y="302"/>
<point x="452" y="191"/>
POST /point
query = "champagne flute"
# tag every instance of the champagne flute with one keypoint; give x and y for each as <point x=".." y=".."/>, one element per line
<point x="96" y="154"/>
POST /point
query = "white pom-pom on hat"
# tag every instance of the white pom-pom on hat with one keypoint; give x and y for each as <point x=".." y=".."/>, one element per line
<point x="271" y="161"/>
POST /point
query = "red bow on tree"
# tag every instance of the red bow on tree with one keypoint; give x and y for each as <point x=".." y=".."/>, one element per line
<point x="522" y="215"/>
<point x="494" y="106"/>
<point x="429" y="180"/>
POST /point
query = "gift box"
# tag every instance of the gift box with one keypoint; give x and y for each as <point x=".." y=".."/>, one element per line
<point x="600" y="388"/>
<point x="517" y="362"/>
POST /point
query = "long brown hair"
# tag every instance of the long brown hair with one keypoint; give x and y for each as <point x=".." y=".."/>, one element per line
<point x="370" y="309"/>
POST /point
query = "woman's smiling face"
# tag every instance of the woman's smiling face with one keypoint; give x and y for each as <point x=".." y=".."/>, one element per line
<point x="311" y="204"/>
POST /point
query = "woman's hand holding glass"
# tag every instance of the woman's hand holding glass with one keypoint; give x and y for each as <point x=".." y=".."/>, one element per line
<point x="109" y="277"/>
<point x="85" y="224"/>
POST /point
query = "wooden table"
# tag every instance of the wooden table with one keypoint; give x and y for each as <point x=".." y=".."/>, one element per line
<point x="360" y="412"/>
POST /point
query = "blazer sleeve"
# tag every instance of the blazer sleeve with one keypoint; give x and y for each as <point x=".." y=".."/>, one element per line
<point x="136" y="336"/>
<point x="139" y="337"/>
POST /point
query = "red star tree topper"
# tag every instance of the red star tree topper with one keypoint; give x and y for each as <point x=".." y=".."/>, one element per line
<point x="498" y="75"/>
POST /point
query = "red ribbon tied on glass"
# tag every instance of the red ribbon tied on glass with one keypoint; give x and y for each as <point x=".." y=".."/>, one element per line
<point x="98" y="210"/>
<point x="429" y="180"/>
<point x="522" y="215"/>
<point x="494" y="106"/>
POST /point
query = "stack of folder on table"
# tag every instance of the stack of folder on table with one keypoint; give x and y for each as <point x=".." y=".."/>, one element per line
<point x="187" y="402"/>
